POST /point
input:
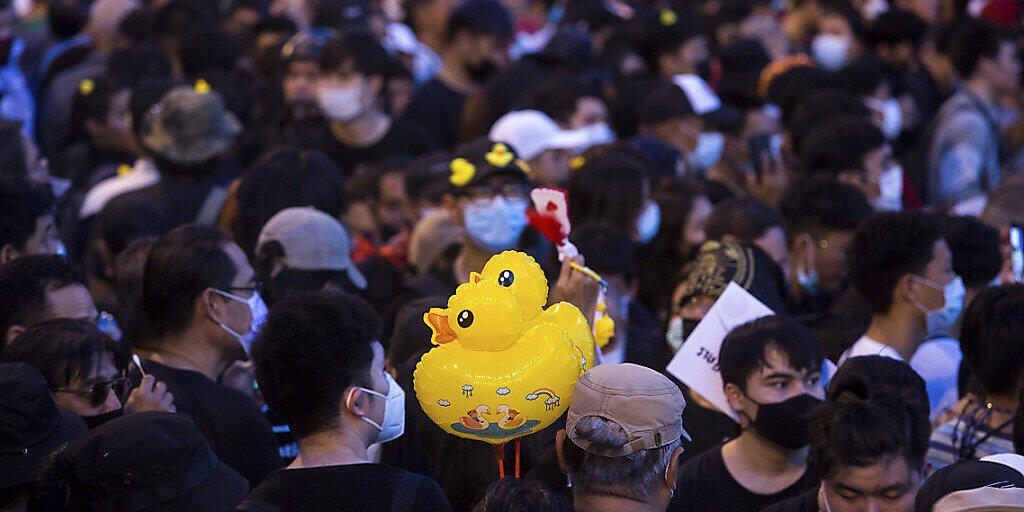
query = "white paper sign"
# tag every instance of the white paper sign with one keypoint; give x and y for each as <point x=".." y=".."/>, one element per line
<point x="696" y="362"/>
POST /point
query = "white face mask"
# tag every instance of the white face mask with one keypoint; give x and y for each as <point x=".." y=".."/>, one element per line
<point x="393" y="423"/>
<point x="890" y="185"/>
<point x="708" y="151"/>
<point x="258" y="313"/>
<point x="892" y="115"/>
<point x="341" y="104"/>
<point x="648" y="223"/>
<point x="830" y="51"/>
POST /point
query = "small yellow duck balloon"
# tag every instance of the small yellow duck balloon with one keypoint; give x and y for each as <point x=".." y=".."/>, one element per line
<point x="503" y="365"/>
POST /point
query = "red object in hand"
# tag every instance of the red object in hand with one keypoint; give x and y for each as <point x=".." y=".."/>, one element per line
<point x="546" y="225"/>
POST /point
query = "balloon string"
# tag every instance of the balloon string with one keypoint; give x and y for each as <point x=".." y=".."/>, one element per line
<point x="499" y="454"/>
<point x="517" y="457"/>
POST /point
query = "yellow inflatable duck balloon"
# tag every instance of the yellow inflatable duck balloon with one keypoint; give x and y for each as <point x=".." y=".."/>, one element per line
<point x="504" y="366"/>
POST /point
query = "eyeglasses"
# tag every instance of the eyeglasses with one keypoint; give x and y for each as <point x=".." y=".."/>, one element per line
<point x="100" y="391"/>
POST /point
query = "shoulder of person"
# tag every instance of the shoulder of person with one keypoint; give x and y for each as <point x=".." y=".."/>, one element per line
<point x="429" y="496"/>
<point x="703" y="466"/>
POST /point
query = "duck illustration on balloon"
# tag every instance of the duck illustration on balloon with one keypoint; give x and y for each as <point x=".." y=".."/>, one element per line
<point x="503" y="363"/>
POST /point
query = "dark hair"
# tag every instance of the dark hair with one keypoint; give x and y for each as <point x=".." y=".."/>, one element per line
<point x="281" y="179"/>
<point x="790" y="88"/>
<point x="609" y="187"/>
<point x="839" y="144"/>
<point x="208" y="50"/>
<point x="745" y="218"/>
<point x="23" y="286"/>
<point x="522" y="495"/>
<point x="65" y="18"/>
<point x="127" y="281"/>
<point x="13" y="159"/>
<point x="971" y="42"/>
<point x="991" y="341"/>
<point x="64" y="350"/>
<point x="880" y="371"/>
<point x="864" y="76"/>
<point x="888" y="246"/>
<point x="481" y="17"/>
<point x="812" y="109"/>
<point x="975" y="246"/>
<point x="145" y="94"/>
<point x="129" y="66"/>
<point x="180" y="266"/>
<point x="359" y="50"/>
<point x="609" y="250"/>
<point x="22" y="203"/>
<point x="311" y="349"/>
<point x="745" y="349"/>
<point x="90" y="103"/>
<point x="1018" y="426"/>
<point x="556" y="97"/>
<point x="897" y="26"/>
<point x="862" y="423"/>
<point x="819" y="204"/>
<point x="137" y="26"/>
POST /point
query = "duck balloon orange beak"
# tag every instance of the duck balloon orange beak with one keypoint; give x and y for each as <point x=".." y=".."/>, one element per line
<point x="443" y="332"/>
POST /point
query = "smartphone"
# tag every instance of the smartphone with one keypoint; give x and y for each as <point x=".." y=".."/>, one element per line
<point x="1017" y="251"/>
<point x="760" y="152"/>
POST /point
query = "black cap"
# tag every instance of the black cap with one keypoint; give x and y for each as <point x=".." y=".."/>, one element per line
<point x="31" y="426"/>
<point x="962" y="476"/>
<point x="153" y="461"/>
<point x="307" y="44"/>
<point x="485" y="159"/>
<point x="664" y="102"/>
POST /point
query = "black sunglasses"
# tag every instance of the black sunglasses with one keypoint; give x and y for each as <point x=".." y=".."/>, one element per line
<point x="100" y="391"/>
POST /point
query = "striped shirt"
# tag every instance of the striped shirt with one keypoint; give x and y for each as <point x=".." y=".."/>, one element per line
<point x="942" y="451"/>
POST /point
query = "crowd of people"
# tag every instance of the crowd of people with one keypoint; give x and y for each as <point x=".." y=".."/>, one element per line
<point x="223" y="222"/>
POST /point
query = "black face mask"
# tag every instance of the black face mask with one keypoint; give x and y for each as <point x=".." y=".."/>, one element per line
<point x="99" y="419"/>
<point x="481" y="72"/>
<point x="785" y="423"/>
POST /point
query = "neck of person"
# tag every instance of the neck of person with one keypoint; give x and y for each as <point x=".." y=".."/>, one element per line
<point x="332" y="448"/>
<point x="595" y="503"/>
<point x="983" y="89"/>
<point x="189" y="351"/>
<point x="470" y="259"/>
<point x="902" y="331"/>
<point x="364" y="131"/>
<point x="763" y="457"/>
<point x="454" y="75"/>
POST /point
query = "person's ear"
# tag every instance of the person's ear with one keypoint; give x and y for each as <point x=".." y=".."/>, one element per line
<point x="350" y="401"/>
<point x="450" y="203"/>
<point x="8" y="253"/>
<point x="673" y="467"/>
<point x="903" y="293"/>
<point x="560" y="451"/>
<point x="803" y="244"/>
<point x="12" y="332"/>
<point x="736" y="398"/>
<point x="210" y="306"/>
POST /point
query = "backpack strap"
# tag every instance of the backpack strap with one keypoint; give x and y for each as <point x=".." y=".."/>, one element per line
<point x="405" y="495"/>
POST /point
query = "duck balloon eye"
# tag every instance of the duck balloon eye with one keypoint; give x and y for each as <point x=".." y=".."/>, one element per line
<point x="506" y="278"/>
<point x="465" y="318"/>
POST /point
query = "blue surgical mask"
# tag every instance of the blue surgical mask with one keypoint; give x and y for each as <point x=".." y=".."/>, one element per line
<point x="808" y="277"/>
<point x="648" y="224"/>
<point x="941" y="323"/>
<point x="708" y="152"/>
<point x="257" y="311"/>
<point x="495" y="224"/>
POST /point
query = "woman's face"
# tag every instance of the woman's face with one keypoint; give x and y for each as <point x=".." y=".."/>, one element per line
<point x="693" y="230"/>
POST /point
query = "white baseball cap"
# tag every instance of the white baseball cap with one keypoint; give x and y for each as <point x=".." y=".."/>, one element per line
<point x="531" y="133"/>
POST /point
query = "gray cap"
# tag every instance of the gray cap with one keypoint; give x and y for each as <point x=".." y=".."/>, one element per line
<point x="312" y="240"/>
<point x="190" y="125"/>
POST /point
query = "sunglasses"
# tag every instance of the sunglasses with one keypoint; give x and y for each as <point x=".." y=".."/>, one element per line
<point x="100" y="391"/>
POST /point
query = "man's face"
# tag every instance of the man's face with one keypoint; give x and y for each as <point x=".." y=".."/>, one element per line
<point x="830" y="264"/>
<point x="939" y="272"/>
<point x="1006" y="73"/>
<point x="888" y="485"/>
<point x="589" y="110"/>
<point x="551" y="168"/>
<point x="693" y="235"/>
<point x="777" y="381"/>
<point x="300" y="81"/>
<point x="394" y="208"/>
<point x="44" y="239"/>
<point x="773" y="243"/>
<point x="72" y="301"/>
<point x="75" y="396"/>
<point x="238" y="317"/>
<point x="876" y="162"/>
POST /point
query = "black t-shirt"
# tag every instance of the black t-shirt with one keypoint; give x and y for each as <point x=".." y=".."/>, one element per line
<point x="230" y="421"/>
<point x="404" y="138"/>
<point x="707" y="429"/>
<point x="353" y="488"/>
<point x="705" y="484"/>
<point x="438" y="108"/>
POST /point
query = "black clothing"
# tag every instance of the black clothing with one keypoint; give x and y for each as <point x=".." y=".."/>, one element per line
<point x="230" y="421"/>
<point x="353" y="488"/>
<point x="806" y="502"/>
<point x="179" y="198"/>
<point x="438" y="108"/>
<point x="707" y="428"/>
<point x="404" y="138"/>
<point x="705" y="484"/>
